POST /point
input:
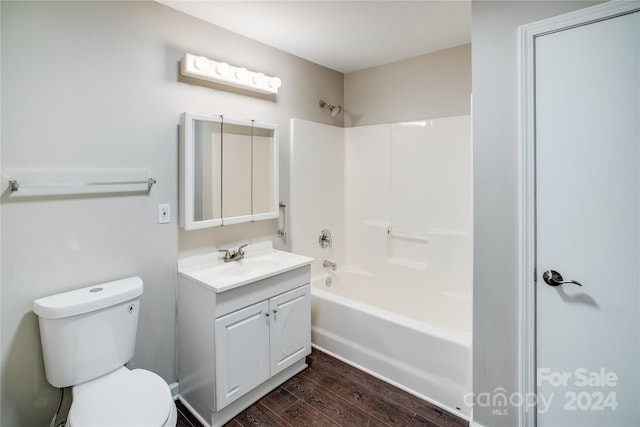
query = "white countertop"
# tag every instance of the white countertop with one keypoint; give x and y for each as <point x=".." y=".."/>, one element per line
<point x="260" y="262"/>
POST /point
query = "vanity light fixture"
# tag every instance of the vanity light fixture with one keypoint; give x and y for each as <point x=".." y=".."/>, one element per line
<point x="201" y="67"/>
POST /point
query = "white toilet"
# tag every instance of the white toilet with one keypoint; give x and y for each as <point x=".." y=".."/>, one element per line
<point x="87" y="336"/>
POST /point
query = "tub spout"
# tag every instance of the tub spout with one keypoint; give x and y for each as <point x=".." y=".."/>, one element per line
<point x="329" y="264"/>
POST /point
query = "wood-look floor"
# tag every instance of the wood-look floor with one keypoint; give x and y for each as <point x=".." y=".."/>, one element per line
<point x="332" y="393"/>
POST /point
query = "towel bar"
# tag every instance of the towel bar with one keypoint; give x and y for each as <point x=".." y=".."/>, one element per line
<point x="14" y="185"/>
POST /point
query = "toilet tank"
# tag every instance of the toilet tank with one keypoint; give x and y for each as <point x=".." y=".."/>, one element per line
<point x="88" y="332"/>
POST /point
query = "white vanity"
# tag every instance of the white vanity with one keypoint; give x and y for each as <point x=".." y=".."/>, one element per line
<point x="244" y="327"/>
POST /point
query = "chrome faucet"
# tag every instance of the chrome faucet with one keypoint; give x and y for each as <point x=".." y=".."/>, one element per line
<point x="236" y="255"/>
<point x="328" y="264"/>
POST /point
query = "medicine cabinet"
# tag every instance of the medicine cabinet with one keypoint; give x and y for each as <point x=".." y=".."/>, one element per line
<point x="229" y="171"/>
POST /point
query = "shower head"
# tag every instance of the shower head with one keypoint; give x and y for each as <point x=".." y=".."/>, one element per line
<point x="334" y="110"/>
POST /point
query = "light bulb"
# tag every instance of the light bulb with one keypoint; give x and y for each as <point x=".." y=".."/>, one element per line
<point x="202" y="63"/>
<point x="242" y="74"/>
<point x="259" y="79"/>
<point x="275" y="83"/>
<point x="223" y="69"/>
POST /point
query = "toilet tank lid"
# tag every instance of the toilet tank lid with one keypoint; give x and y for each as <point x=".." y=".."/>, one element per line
<point x="91" y="298"/>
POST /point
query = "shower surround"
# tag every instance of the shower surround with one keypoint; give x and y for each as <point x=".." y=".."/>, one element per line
<point x="397" y="199"/>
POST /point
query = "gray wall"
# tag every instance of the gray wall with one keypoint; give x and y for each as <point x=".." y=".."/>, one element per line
<point x="425" y="87"/>
<point x="495" y="140"/>
<point x="96" y="85"/>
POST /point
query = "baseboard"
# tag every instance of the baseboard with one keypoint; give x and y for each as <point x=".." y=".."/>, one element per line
<point x="474" y="424"/>
<point x="194" y="413"/>
<point x="175" y="390"/>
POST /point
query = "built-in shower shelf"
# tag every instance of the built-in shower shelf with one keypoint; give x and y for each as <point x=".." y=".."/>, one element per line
<point x="417" y="265"/>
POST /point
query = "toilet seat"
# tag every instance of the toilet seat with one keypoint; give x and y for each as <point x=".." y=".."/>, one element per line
<point x="122" y="398"/>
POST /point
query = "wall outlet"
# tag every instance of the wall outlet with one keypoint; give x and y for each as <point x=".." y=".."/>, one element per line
<point x="164" y="213"/>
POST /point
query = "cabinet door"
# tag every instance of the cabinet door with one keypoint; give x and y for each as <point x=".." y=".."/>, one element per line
<point x="241" y="351"/>
<point x="290" y="328"/>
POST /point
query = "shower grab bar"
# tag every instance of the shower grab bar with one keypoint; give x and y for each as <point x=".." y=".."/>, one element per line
<point x="406" y="236"/>
<point x="282" y="231"/>
<point x="14" y="185"/>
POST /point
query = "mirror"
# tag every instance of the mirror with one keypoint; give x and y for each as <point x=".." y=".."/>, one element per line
<point x="236" y="173"/>
<point x="264" y="167"/>
<point x="207" y="140"/>
<point x="229" y="171"/>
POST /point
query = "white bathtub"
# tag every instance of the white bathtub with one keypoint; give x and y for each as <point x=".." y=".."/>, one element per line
<point x="415" y="350"/>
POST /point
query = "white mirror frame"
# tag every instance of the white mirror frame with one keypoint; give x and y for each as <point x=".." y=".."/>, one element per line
<point x="187" y="175"/>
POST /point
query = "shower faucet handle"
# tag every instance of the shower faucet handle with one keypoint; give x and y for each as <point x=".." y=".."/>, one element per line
<point x="325" y="239"/>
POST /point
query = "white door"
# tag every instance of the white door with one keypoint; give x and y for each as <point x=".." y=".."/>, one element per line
<point x="588" y="224"/>
<point x="241" y="352"/>
<point x="290" y="328"/>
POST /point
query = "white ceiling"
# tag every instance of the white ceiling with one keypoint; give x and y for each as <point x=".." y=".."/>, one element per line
<point x="342" y="35"/>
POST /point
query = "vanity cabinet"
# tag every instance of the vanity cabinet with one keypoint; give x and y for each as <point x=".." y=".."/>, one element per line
<point x="257" y="342"/>
<point x="237" y="342"/>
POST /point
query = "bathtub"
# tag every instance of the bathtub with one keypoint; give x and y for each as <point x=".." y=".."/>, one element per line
<point x="425" y="351"/>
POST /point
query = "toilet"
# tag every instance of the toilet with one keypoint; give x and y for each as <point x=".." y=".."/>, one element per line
<point x="87" y="336"/>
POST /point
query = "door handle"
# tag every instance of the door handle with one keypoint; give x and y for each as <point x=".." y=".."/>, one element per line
<point x="553" y="278"/>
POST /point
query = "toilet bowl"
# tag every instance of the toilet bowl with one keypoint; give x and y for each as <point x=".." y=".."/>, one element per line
<point x="87" y="336"/>
<point x="123" y="398"/>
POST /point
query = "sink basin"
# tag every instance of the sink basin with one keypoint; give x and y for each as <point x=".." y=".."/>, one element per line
<point x="246" y="266"/>
<point x="261" y="261"/>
